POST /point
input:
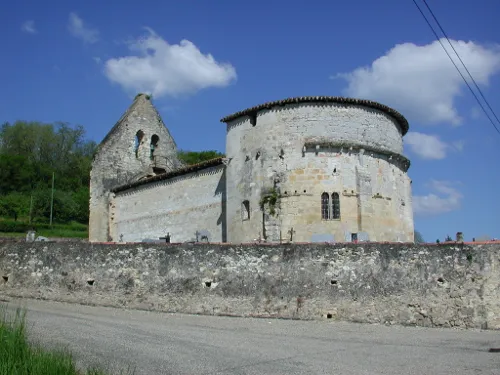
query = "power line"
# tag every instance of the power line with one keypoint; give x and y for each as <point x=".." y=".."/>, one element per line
<point x="456" y="67"/>
<point x="456" y="53"/>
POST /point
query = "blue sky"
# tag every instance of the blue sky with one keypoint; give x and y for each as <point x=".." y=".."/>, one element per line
<point x="83" y="62"/>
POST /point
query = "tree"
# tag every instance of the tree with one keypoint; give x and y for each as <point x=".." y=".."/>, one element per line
<point x="16" y="173"/>
<point x="418" y="238"/>
<point x="14" y="205"/>
<point x="195" y="157"/>
<point x="30" y="152"/>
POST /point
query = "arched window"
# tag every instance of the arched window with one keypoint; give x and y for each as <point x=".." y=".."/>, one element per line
<point x="335" y="206"/>
<point x="325" y="205"/>
<point x="154" y="145"/>
<point x="138" y="139"/>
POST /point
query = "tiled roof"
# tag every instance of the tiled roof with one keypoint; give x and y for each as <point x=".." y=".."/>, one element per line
<point x="165" y="176"/>
<point x="323" y="99"/>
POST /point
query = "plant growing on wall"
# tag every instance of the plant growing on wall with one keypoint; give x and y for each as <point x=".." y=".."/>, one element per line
<point x="148" y="97"/>
<point x="271" y="199"/>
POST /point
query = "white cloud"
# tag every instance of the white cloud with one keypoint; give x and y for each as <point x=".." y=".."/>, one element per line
<point x="426" y="146"/>
<point x="29" y="27"/>
<point x="458" y="145"/>
<point x="159" y="68"/>
<point x="430" y="147"/>
<point x="444" y="197"/>
<point x="421" y="81"/>
<point x="78" y="29"/>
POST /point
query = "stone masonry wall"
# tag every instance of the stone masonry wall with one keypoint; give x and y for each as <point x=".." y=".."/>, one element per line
<point x="454" y="285"/>
<point x="278" y="151"/>
<point x="117" y="162"/>
<point x="181" y="206"/>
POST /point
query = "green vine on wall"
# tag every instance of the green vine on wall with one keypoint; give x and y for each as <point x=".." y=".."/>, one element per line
<point x="271" y="199"/>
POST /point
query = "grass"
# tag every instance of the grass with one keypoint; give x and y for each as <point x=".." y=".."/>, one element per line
<point x="12" y="234"/>
<point x="19" y="228"/>
<point x="18" y="357"/>
<point x="50" y="233"/>
<point x="56" y="232"/>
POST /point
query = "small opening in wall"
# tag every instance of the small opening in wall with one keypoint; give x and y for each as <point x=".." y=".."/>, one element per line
<point x="333" y="282"/>
<point x="153" y="146"/>
<point x="257" y="156"/>
<point x="286" y="192"/>
<point x="329" y="316"/>
<point x="90" y="282"/>
<point x="138" y="139"/>
<point x="5" y="278"/>
<point x="253" y="119"/>
<point x="304" y="191"/>
<point x="334" y="170"/>
<point x="295" y="191"/>
<point x="440" y="280"/>
<point x="208" y="284"/>
<point x="245" y="210"/>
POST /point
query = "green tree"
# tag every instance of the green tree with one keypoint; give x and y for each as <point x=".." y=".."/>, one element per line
<point x="195" y="157"/>
<point x="30" y="152"/>
<point x="16" y="173"/>
<point x="14" y="205"/>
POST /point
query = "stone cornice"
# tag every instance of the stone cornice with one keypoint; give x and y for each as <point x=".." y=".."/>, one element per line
<point x="401" y="120"/>
<point x="310" y="146"/>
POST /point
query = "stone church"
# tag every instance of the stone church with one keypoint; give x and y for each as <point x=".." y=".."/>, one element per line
<point x="306" y="169"/>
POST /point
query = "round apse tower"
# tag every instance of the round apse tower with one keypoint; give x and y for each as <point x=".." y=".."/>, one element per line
<point x="318" y="169"/>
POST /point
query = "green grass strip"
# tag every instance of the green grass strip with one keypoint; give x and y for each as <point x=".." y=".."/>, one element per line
<point x="18" y="357"/>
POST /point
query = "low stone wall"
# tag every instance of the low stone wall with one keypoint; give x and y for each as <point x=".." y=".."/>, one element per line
<point x="431" y="285"/>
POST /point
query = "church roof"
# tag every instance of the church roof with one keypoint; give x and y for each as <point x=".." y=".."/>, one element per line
<point x="403" y="123"/>
<point x="168" y="175"/>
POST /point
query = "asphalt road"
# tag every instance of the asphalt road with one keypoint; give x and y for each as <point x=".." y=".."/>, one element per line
<point x="157" y="343"/>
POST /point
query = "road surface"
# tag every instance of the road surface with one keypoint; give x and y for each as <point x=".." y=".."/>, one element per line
<point x="158" y="343"/>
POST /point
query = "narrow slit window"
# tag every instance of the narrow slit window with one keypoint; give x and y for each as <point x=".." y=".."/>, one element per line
<point x="335" y="206"/>
<point x="245" y="210"/>
<point x="325" y="203"/>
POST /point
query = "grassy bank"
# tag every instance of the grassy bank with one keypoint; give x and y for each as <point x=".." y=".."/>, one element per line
<point x="11" y="228"/>
<point x="18" y="357"/>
